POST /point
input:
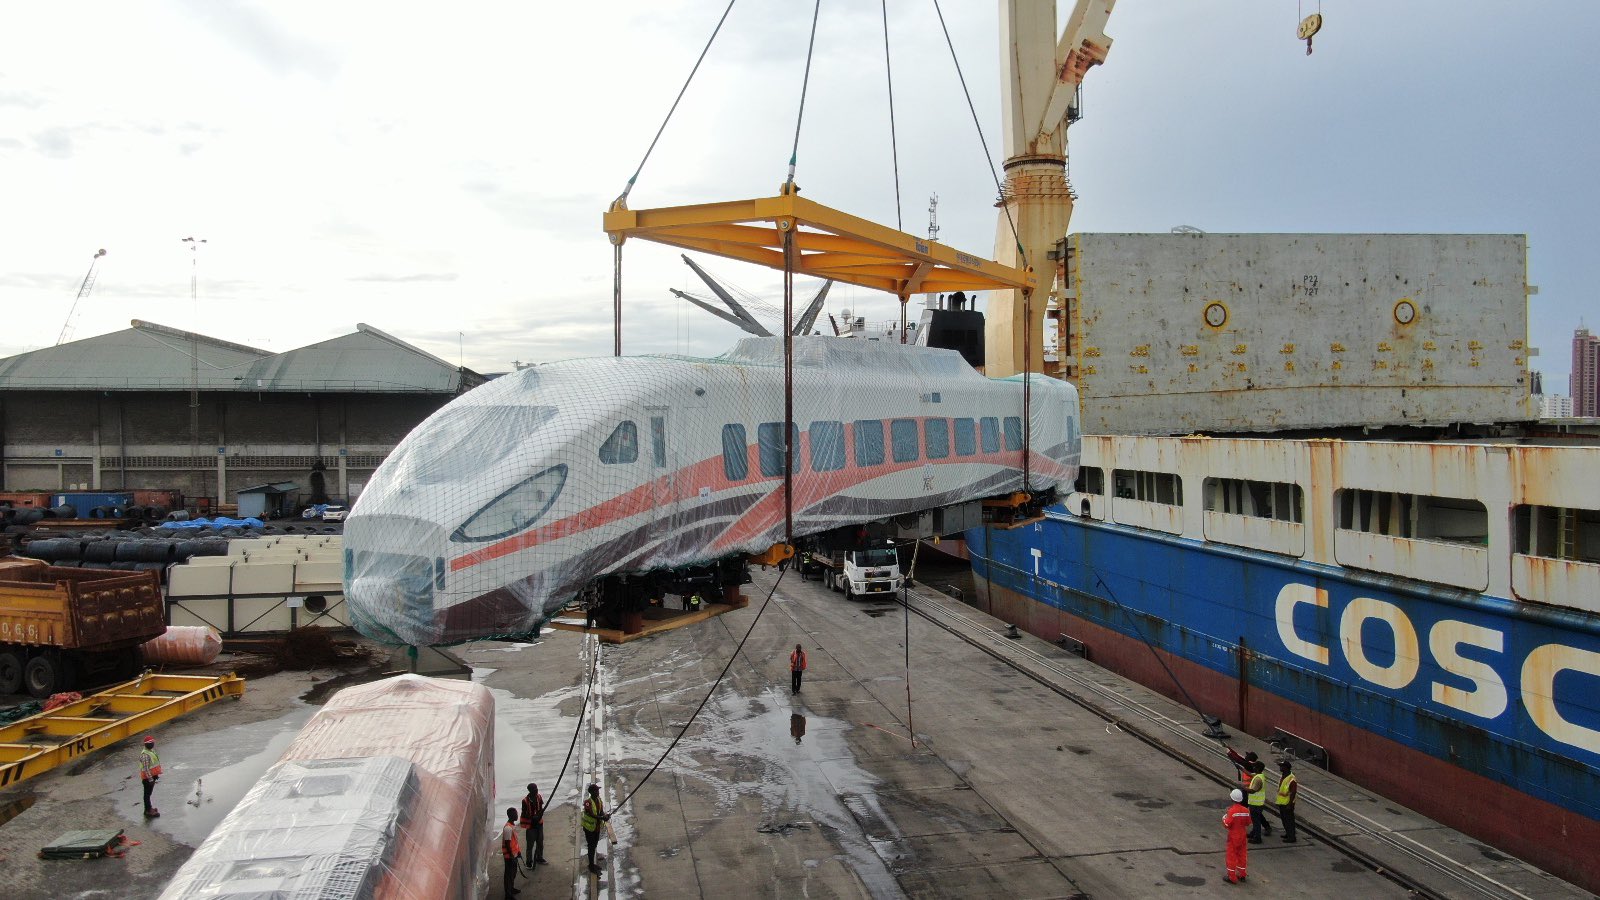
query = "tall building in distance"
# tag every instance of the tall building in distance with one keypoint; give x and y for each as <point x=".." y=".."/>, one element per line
<point x="1585" y="374"/>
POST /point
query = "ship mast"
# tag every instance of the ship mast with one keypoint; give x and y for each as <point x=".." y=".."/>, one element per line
<point x="1041" y="77"/>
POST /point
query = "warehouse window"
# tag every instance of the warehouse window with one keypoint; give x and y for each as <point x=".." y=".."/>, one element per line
<point x="622" y="446"/>
<point x="827" y="446"/>
<point x="1415" y="516"/>
<point x="1013" y="433"/>
<point x="869" y="442"/>
<point x="936" y="434"/>
<point x="1558" y="532"/>
<point x="773" y="451"/>
<point x="989" y="430"/>
<point x="903" y="438"/>
<point x="966" y="437"/>
<point x="1151" y="487"/>
<point x="735" y="455"/>
<point x="1261" y="499"/>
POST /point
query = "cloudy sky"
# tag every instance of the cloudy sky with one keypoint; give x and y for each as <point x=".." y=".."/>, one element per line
<point x="439" y="171"/>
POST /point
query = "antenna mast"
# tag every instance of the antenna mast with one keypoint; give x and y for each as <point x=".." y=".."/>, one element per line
<point x="933" y="217"/>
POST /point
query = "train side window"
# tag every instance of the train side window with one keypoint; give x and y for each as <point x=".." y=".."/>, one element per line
<point x="966" y="437"/>
<point x="989" y="430"/>
<point x="827" y="446"/>
<point x="903" y="438"/>
<point x="869" y="442"/>
<point x="770" y="436"/>
<point x="658" y="441"/>
<point x="622" y="446"/>
<point x="1013" y="433"/>
<point x="936" y="434"/>
<point x="735" y="455"/>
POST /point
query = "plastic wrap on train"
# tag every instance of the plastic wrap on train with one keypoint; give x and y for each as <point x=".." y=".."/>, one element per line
<point x="497" y="510"/>
<point x="384" y="794"/>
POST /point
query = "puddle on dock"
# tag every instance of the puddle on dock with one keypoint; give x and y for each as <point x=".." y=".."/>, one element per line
<point x="206" y="775"/>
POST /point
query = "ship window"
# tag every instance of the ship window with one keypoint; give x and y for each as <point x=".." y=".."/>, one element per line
<point x="903" y="437"/>
<point x="773" y="452"/>
<point x="1091" y="480"/>
<point x="869" y="442"/>
<point x="1013" y="433"/>
<point x="966" y="437"/>
<point x="1151" y="487"/>
<point x="735" y="453"/>
<point x="1558" y="532"/>
<point x="936" y="434"/>
<point x="1415" y="516"/>
<point x="989" y="430"/>
<point x="622" y="446"/>
<point x="1260" y="499"/>
<point x="658" y="441"/>
<point x="827" y="446"/>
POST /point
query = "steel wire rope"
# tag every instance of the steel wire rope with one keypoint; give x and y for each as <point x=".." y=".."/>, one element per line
<point x="805" y="83"/>
<point x="623" y="197"/>
<point x="594" y="665"/>
<point x="905" y="603"/>
<point x="894" y="143"/>
<point x="710" y="693"/>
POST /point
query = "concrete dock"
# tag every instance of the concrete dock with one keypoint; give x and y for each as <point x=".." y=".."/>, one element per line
<point x="1033" y="773"/>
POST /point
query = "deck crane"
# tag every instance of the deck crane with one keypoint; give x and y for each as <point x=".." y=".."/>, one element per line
<point x="1042" y="78"/>
<point x="83" y="291"/>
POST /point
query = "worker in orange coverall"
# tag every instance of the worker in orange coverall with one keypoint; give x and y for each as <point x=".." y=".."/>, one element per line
<point x="1237" y="821"/>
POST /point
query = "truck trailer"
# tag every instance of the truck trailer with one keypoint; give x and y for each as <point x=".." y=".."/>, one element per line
<point x="61" y="628"/>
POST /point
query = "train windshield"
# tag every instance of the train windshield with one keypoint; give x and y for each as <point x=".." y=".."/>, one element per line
<point x="460" y="442"/>
<point x="883" y="557"/>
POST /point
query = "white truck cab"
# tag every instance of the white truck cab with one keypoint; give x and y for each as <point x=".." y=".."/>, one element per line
<point x="861" y="573"/>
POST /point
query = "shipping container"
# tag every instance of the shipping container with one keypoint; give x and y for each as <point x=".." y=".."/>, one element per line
<point x="25" y="499"/>
<point x="84" y="501"/>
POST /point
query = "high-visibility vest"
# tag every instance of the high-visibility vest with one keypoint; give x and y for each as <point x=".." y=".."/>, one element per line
<point x="149" y="765"/>
<point x="533" y="810"/>
<point x="797" y="661"/>
<point x="508" y="842"/>
<point x="591" y="814"/>
<point x="1285" y="797"/>
<point x="1258" y="790"/>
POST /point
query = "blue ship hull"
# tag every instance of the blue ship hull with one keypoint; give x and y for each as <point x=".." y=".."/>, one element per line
<point x="1479" y="711"/>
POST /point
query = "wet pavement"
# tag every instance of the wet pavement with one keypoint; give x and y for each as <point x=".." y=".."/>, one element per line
<point x="1009" y="790"/>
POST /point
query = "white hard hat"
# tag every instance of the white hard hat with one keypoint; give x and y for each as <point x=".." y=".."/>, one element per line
<point x="1237" y="795"/>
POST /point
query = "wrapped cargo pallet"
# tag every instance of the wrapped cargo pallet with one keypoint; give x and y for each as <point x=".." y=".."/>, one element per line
<point x="383" y="794"/>
<point x="183" y="645"/>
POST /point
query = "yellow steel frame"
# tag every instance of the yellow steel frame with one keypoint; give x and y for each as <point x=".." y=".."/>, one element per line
<point x="828" y="244"/>
<point x="39" y="743"/>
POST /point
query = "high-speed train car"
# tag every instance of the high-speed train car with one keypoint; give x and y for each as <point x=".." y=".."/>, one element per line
<point x="507" y="503"/>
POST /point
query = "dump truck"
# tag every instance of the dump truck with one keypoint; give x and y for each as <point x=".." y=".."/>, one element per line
<point x="61" y="629"/>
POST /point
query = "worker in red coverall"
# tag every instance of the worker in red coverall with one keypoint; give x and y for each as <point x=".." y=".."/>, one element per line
<point x="797" y="668"/>
<point x="1237" y="821"/>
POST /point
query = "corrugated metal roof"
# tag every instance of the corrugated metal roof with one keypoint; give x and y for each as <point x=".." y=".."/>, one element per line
<point x="276" y="487"/>
<point x="150" y="357"/>
<point x="365" y="361"/>
<point x="145" y="357"/>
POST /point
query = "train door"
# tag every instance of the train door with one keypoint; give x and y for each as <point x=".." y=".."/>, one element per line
<point x="663" y="474"/>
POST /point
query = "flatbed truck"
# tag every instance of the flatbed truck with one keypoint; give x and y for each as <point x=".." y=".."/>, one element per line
<point x="866" y="572"/>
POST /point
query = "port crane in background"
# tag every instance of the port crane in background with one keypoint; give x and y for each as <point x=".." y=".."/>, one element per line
<point x="83" y="291"/>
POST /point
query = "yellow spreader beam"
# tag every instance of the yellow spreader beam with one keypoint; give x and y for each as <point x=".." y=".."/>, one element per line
<point x="42" y="742"/>
<point x="828" y="244"/>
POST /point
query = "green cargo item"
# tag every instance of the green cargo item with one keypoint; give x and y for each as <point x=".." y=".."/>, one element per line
<point x="82" y="845"/>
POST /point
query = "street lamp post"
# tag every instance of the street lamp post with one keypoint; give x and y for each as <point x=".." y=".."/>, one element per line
<point x="194" y="356"/>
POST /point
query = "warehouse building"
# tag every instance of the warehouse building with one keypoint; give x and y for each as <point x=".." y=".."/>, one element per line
<point x="156" y="407"/>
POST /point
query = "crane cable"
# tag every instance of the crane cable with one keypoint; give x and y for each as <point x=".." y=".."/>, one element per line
<point x="805" y="82"/>
<point x="622" y="198"/>
<point x="894" y="143"/>
<point x="591" y="677"/>
<point x="905" y="603"/>
<point x="782" y="568"/>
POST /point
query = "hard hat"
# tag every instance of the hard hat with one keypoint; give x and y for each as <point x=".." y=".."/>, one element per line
<point x="1237" y="795"/>
<point x="149" y="739"/>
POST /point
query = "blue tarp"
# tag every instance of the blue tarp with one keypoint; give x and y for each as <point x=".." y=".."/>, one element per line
<point x="218" y="522"/>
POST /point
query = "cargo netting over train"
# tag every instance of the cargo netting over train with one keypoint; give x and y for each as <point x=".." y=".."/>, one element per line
<point x="508" y="503"/>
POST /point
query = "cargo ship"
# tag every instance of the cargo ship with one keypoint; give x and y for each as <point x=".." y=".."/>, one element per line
<point x="1313" y="500"/>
